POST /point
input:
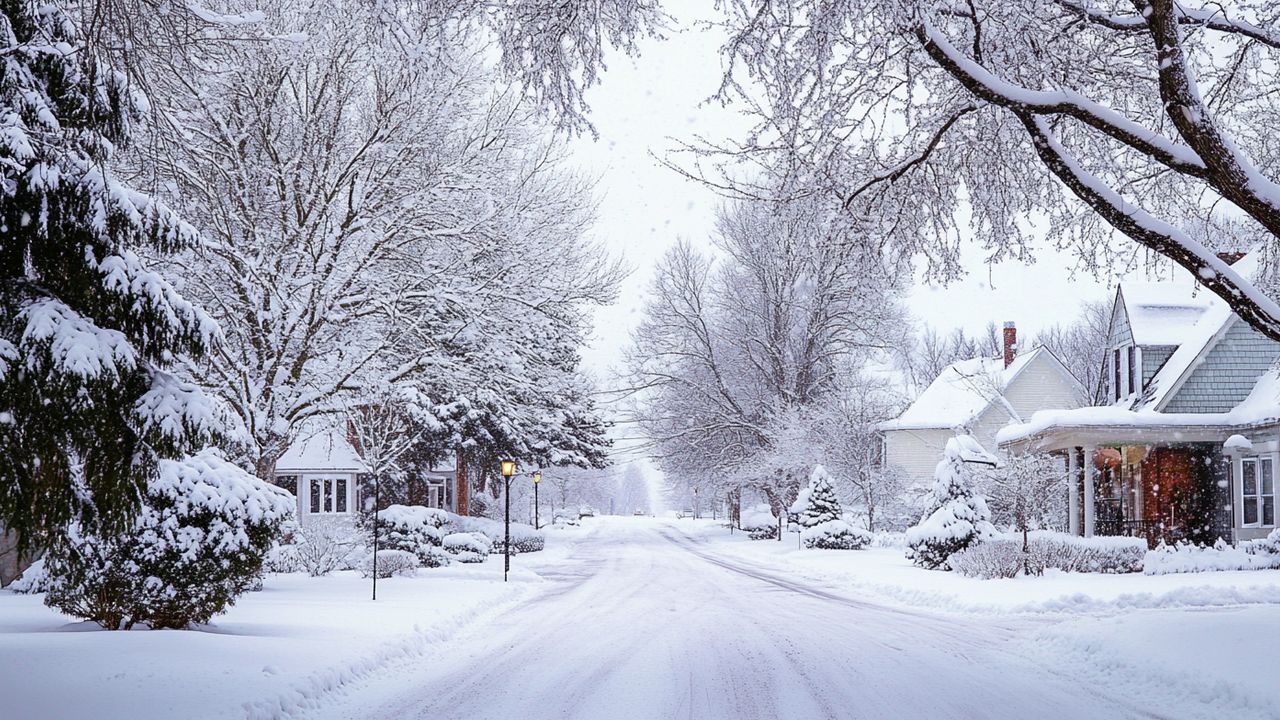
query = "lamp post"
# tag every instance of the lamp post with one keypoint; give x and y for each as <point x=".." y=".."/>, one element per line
<point x="508" y="469"/>
<point x="537" y="478"/>
<point x="695" y="502"/>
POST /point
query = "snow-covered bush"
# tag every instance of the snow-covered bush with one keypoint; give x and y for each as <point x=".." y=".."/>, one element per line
<point x="390" y="564"/>
<point x="197" y="543"/>
<point x="467" y="547"/>
<point x="1003" y="557"/>
<point x="524" y="539"/>
<point x="1188" y="558"/>
<point x="566" y="518"/>
<point x="32" y="580"/>
<point x="998" y="558"/>
<point x="317" y="549"/>
<point x="961" y="518"/>
<point x="759" y="523"/>
<point x="835" y="535"/>
<point x="414" y="529"/>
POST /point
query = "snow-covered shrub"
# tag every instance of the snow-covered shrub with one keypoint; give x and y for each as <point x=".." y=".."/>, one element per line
<point x="998" y="558"/>
<point x="1270" y="545"/>
<point x="390" y="564"/>
<point x="1188" y="558"/>
<point x="889" y="539"/>
<point x="961" y="519"/>
<point x="467" y="547"/>
<point x="414" y="529"/>
<point x="32" y="580"/>
<point x="1003" y="556"/>
<point x="524" y="539"/>
<point x="759" y="523"/>
<point x="835" y="535"/>
<point x="1071" y="553"/>
<point x="317" y="549"/>
<point x="566" y="518"/>
<point x="196" y="544"/>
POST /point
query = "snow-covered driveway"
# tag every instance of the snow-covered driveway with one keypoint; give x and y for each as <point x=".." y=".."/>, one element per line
<point x="645" y="622"/>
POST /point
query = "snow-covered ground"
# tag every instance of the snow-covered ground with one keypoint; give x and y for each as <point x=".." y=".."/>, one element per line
<point x="643" y="618"/>
<point x="274" y="652"/>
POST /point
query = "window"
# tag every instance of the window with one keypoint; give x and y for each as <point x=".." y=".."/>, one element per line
<point x="328" y="495"/>
<point x="1133" y="369"/>
<point x="1257" y="489"/>
<point x="1115" y="371"/>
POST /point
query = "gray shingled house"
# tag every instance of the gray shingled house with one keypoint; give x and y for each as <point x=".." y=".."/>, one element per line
<point x="1184" y="443"/>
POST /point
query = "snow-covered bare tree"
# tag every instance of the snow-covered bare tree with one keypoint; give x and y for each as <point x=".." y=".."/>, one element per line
<point x="89" y="334"/>
<point x="728" y="357"/>
<point x="1080" y="346"/>
<point x="1085" y="119"/>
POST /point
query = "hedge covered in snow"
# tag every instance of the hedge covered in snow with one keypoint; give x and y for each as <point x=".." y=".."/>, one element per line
<point x="390" y="563"/>
<point x="1002" y="556"/>
<point x="414" y="529"/>
<point x="524" y="539"/>
<point x="835" y="535"/>
<point x="467" y="547"/>
<point x="1186" y="558"/>
<point x="759" y="523"/>
<point x="197" y="543"/>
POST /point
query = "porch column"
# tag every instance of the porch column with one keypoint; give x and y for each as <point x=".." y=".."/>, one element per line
<point x="1090" y="485"/>
<point x="1073" y="490"/>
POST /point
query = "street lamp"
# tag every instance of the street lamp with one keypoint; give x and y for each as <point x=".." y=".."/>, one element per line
<point x="695" y="502"/>
<point x="537" y="478"/>
<point x="508" y="469"/>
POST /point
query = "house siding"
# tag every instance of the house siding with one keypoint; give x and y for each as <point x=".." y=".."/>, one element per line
<point x="1153" y="358"/>
<point x="1226" y="374"/>
<point x="916" y="453"/>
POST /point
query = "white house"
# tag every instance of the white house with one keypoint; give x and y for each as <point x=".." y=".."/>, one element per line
<point x="980" y="395"/>
<point x="321" y="469"/>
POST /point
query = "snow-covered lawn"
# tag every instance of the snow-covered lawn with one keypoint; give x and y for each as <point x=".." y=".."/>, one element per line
<point x="884" y="573"/>
<point x="278" y="649"/>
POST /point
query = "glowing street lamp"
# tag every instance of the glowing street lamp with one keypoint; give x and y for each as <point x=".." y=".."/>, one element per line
<point x="508" y="470"/>
<point x="537" y="478"/>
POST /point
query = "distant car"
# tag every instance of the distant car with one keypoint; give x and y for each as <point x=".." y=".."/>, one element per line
<point x="638" y="512"/>
<point x="586" y="511"/>
<point x="685" y="513"/>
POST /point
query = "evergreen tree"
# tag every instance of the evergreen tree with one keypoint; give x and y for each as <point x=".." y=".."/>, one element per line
<point x="961" y="518"/>
<point x="87" y="407"/>
<point x="823" y="505"/>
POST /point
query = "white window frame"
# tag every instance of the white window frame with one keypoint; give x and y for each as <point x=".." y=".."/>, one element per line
<point x="1258" y="496"/>
<point x="328" y="495"/>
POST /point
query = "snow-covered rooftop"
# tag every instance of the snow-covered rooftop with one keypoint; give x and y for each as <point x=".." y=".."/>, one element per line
<point x="325" y="450"/>
<point x="960" y="393"/>
<point x="1160" y="312"/>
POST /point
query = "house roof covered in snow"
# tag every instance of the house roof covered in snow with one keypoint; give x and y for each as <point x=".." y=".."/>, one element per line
<point x="962" y="392"/>
<point x="1160" y="312"/>
<point x="325" y="450"/>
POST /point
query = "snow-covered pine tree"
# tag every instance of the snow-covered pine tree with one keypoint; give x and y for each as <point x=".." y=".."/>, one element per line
<point x="962" y="517"/>
<point x="87" y="407"/>
<point x="823" y="505"/>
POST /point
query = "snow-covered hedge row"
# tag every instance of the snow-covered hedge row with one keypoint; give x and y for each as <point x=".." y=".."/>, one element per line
<point x="468" y="547"/>
<point x="414" y="529"/>
<point x="835" y="535"/>
<point x="197" y="543"/>
<point x="1187" y="558"/>
<point x="759" y="523"/>
<point x="1002" y="555"/>
<point x="524" y="539"/>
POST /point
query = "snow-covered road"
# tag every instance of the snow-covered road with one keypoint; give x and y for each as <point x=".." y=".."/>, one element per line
<point x="646" y="622"/>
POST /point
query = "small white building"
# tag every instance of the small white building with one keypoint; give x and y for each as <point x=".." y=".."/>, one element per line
<point x="322" y="470"/>
<point x="981" y="396"/>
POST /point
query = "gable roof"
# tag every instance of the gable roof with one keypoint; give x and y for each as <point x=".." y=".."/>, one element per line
<point x="325" y="450"/>
<point x="964" y="390"/>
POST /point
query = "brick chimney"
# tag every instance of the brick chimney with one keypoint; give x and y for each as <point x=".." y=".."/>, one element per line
<point x="1010" y="342"/>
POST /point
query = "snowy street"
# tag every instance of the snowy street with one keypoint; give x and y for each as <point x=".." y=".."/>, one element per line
<point x="645" y="622"/>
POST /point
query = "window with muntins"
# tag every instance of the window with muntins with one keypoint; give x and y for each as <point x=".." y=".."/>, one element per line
<point x="328" y="495"/>
<point x="1258" y="492"/>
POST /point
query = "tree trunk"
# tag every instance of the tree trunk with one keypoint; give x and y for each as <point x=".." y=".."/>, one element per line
<point x="462" y="485"/>
<point x="12" y="563"/>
